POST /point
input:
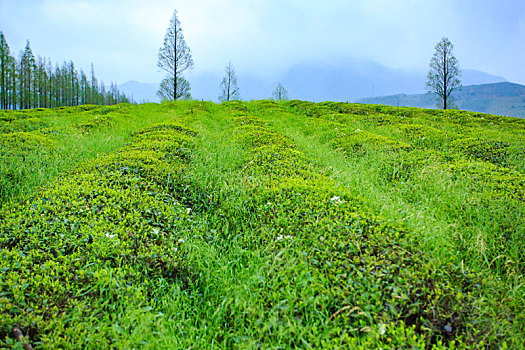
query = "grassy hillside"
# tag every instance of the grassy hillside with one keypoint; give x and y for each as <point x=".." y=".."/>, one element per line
<point x="499" y="98"/>
<point x="261" y="225"/>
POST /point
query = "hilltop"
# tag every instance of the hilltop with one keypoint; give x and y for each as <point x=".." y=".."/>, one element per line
<point x="499" y="98"/>
<point x="261" y="225"/>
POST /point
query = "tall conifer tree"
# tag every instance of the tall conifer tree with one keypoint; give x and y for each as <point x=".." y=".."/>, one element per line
<point x="27" y="64"/>
<point x="174" y="58"/>
<point x="5" y="62"/>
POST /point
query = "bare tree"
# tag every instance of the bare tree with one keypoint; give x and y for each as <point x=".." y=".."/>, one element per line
<point x="174" y="58"/>
<point x="167" y="86"/>
<point x="444" y="75"/>
<point x="229" y="85"/>
<point x="280" y="93"/>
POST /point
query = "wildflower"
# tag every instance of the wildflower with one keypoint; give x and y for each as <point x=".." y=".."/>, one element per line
<point x="357" y="130"/>
<point x="281" y="237"/>
<point x="181" y="240"/>
<point x="382" y="328"/>
<point x="336" y="200"/>
<point x="188" y="210"/>
<point x="110" y="235"/>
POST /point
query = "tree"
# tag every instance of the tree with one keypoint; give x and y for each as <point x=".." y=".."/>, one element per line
<point x="229" y="85"/>
<point x="11" y="84"/>
<point x="93" y="96"/>
<point x="280" y="93"/>
<point x="30" y="83"/>
<point x="444" y="75"/>
<point x="174" y="58"/>
<point x="5" y="63"/>
<point x="166" y="89"/>
<point x="27" y="70"/>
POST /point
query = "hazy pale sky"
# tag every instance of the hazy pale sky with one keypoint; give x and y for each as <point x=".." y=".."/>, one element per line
<point x="122" y="37"/>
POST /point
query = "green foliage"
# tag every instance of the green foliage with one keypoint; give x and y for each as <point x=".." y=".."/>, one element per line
<point x="264" y="225"/>
<point x="106" y="234"/>
<point x="491" y="151"/>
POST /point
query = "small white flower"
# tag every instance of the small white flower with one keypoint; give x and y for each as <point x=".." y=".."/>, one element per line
<point x="336" y="200"/>
<point x="181" y="240"/>
<point x="357" y="130"/>
<point x="382" y="328"/>
<point x="281" y="237"/>
<point x="110" y="235"/>
<point x="188" y="210"/>
<point x="156" y="231"/>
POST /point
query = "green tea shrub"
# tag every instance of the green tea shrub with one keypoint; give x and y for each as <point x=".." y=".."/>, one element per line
<point x="104" y="236"/>
<point x="422" y="135"/>
<point x="358" y="141"/>
<point x="488" y="150"/>
<point x="364" y="274"/>
<point x="11" y="122"/>
<point x="18" y="143"/>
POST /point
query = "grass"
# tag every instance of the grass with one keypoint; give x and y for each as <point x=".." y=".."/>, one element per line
<point x="64" y="138"/>
<point x="266" y="225"/>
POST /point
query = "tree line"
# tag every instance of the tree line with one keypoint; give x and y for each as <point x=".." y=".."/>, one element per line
<point x="34" y="82"/>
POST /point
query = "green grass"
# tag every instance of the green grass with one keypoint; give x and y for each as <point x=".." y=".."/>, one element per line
<point x="263" y="225"/>
<point x="37" y="149"/>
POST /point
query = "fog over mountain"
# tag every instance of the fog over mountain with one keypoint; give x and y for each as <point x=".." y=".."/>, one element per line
<point x="344" y="79"/>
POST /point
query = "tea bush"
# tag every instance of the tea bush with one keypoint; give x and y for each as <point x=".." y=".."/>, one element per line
<point x="264" y="225"/>
<point x="105" y="235"/>
<point x="364" y="274"/>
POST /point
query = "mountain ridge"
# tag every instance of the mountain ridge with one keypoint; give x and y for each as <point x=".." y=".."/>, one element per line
<point x="503" y="98"/>
<point x="343" y="79"/>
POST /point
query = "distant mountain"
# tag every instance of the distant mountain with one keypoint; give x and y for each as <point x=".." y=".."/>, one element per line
<point x="343" y="79"/>
<point x="498" y="98"/>
<point x="206" y="86"/>
<point x="348" y="79"/>
<point x="475" y="77"/>
<point x="140" y="92"/>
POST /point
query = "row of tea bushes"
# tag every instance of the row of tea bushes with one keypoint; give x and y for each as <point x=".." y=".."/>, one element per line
<point x="344" y="278"/>
<point x="37" y="144"/>
<point x="101" y="239"/>
<point x="486" y="169"/>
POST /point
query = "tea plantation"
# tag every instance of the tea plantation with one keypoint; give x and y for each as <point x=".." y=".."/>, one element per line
<point x="261" y="225"/>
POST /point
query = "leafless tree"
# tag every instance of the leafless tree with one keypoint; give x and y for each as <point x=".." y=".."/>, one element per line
<point x="444" y="75"/>
<point x="280" y="93"/>
<point x="174" y="58"/>
<point x="167" y="86"/>
<point x="229" y="85"/>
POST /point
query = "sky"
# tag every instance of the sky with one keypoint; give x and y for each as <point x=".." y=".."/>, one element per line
<point x="266" y="37"/>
